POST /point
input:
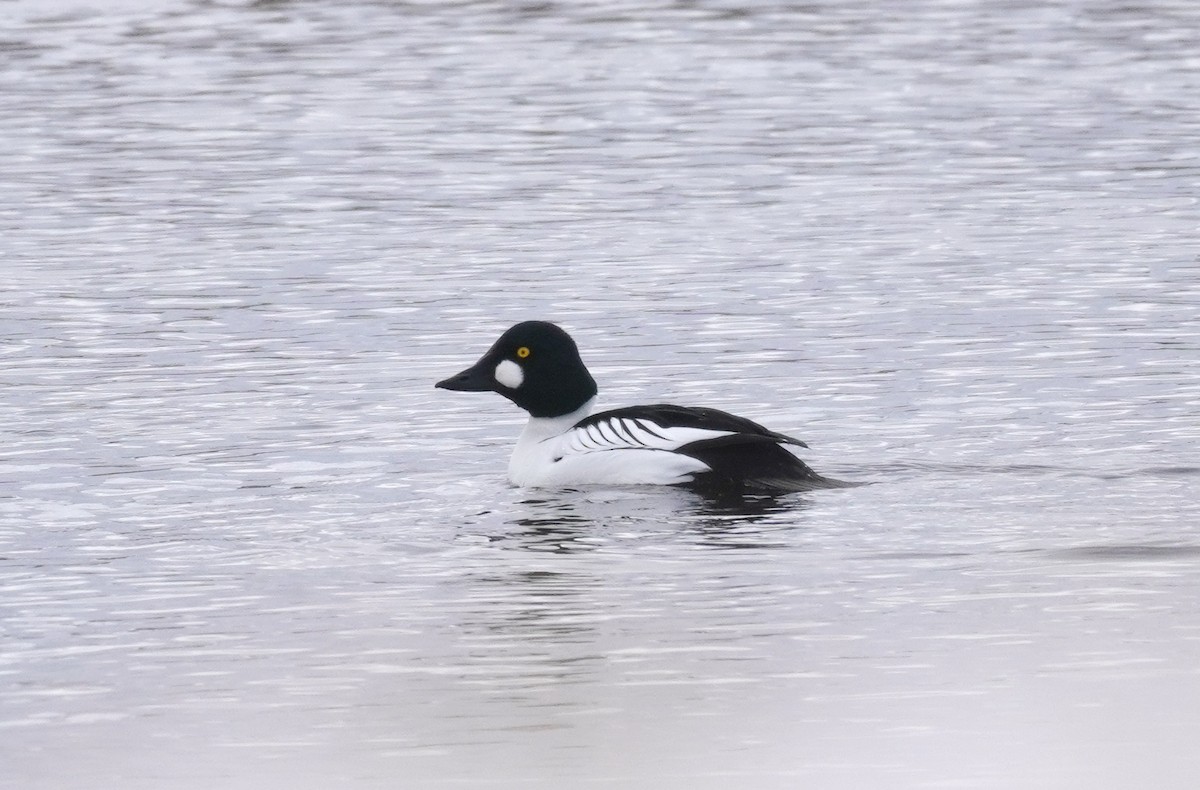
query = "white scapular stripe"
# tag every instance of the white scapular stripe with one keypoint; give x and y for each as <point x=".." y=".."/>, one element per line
<point x="632" y="433"/>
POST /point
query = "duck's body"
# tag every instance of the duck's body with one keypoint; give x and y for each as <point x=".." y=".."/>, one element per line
<point x="537" y="366"/>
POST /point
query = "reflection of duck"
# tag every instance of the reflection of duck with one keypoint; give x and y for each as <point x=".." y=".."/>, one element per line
<point x="595" y="519"/>
<point x="537" y="366"/>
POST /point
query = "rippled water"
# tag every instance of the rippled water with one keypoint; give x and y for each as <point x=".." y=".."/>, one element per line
<point x="952" y="245"/>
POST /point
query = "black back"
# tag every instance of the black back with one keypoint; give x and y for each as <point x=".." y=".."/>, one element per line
<point x="693" y="417"/>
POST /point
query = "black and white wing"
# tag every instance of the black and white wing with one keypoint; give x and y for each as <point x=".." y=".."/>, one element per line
<point x="737" y="453"/>
<point x="634" y="429"/>
<point x="667" y="427"/>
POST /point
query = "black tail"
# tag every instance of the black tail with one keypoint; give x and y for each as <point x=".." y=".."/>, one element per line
<point x="753" y="464"/>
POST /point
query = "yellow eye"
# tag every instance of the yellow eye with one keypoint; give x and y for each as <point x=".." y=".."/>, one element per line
<point x="523" y="352"/>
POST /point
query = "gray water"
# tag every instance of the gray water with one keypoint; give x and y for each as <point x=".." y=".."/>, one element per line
<point x="952" y="245"/>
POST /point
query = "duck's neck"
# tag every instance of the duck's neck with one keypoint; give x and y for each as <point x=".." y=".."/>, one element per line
<point x="541" y="428"/>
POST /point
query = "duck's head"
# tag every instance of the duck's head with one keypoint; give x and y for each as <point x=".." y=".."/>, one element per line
<point x="536" y="365"/>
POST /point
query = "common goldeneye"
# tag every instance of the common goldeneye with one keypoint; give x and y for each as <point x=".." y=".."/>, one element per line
<point x="536" y="365"/>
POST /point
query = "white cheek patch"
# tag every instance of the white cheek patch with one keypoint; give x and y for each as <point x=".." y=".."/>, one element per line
<point x="509" y="374"/>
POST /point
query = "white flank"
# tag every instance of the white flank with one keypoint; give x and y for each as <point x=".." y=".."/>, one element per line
<point x="551" y="452"/>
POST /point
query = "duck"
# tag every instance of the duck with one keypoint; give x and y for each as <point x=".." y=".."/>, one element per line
<point x="537" y="366"/>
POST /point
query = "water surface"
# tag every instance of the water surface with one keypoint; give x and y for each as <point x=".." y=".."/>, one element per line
<point x="244" y="543"/>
